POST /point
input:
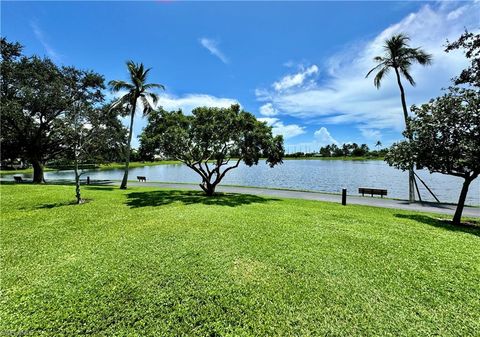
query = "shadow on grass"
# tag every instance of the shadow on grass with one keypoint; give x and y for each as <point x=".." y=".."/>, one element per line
<point x="99" y="188"/>
<point x="159" y="198"/>
<point x="439" y="223"/>
<point x="56" y="204"/>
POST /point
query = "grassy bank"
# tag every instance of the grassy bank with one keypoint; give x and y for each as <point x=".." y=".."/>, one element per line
<point x="149" y="262"/>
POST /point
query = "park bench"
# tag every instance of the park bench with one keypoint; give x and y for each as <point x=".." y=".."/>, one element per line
<point x="142" y="178"/>
<point x="377" y="191"/>
<point x="18" y="179"/>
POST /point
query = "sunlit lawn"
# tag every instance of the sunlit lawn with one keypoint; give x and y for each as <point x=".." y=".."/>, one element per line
<point x="150" y="262"/>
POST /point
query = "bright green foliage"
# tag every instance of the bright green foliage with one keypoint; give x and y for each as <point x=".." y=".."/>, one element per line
<point x="211" y="139"/>
<point x="147" y="262"/>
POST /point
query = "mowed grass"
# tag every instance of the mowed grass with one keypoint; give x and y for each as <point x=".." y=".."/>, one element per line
<point x="150" y="262"/>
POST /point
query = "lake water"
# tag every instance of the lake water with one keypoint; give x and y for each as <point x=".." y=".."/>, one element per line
<point x="316" y="175"/>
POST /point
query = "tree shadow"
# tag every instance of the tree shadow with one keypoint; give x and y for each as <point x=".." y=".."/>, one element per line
<point x="160" y="198"/>
<point x="470" y="228"/>
<point x="99" y="188"/>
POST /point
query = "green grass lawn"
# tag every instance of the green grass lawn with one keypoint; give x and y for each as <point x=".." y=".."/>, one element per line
<point x="151" y="262"/>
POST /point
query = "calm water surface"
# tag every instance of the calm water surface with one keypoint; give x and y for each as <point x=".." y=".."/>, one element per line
<point x="317" y="175"/>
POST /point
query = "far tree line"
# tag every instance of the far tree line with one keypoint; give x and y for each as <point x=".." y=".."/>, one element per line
<point x="344" y="150"/>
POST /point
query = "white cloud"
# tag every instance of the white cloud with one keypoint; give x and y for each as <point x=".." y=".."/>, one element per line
<point x="190" y="101"/>
<point x="295" y="80"/>
<point x="323" y="137"/>
<point x="52" y="53"/>
<point x="212" y="46"/>
<point x="346" y="96"/>
<point x="371" y="134"/>
<point x="268" y="110"/>
<point x="278" y="128"/>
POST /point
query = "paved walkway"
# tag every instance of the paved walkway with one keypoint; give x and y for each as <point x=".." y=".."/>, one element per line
<point x="351" y="199"/>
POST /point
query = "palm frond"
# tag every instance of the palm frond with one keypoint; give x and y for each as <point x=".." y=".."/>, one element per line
<point x="407" y="75"/>
<point x="153" y="86"/>
<point x="374" y="68"/>
<point x="147" y="107"/>
<point x="377" y="81"/>
<point x="153" y="97"/>
<point x="119" y="85"/>
<point x="422" y="57"/>
<point x="399" y="55"/>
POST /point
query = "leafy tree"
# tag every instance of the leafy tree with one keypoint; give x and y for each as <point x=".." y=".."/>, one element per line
<point x="445" y="139"/>
<point x="360" y="151"/>
<point x="399" y="56"/>
<point x="326" y="151"/>
<point x="346" y="149"/>
<point x="336" y="151"/>
<point x="89" y="135"/>
<point x="35" y="96"/>
<point x="213" y="141"/>
<point x="470" y="43"/>
<point x="137" y="90"/>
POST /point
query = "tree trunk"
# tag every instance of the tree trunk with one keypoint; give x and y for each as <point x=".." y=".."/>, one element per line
<point x="37" y="171"/>
<point x="123" y="185"/>
<point x="457" y="218"/>
<point x="77" y="184"/>
<point x="411" y="176"/>
<point x="208" y="188"/>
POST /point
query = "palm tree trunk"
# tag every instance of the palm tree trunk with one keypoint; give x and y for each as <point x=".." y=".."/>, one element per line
<point x="123" y="185"/>
<point x="411" y="176"/>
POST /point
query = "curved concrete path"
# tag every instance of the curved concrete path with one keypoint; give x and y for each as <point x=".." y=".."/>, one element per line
<point x="330" y="197"/>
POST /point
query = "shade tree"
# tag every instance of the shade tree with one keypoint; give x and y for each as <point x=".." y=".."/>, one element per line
<point x="445" y="138"/>
<point x="212" y="141"/>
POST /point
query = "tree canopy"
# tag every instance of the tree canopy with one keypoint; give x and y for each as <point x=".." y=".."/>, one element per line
<point x="212" y="141"/>
<point x="445" y="139"/>
<point x="36" y="98"/>
<point x="470" y="44"/>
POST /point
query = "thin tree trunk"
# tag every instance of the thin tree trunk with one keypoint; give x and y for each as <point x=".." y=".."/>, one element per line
<point x="37" y="171"/>
<point x="411" y="176"/>
<point x="77" y="183"/>
<point x="123" y="185"/>
<point x="457" y="218"/>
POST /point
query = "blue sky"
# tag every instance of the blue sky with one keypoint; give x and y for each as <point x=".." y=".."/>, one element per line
<point x="298" y="65"/>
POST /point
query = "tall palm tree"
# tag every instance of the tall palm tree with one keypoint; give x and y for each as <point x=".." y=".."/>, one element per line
<point x="399" y="56"/>
<point x="137" y="89"/>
